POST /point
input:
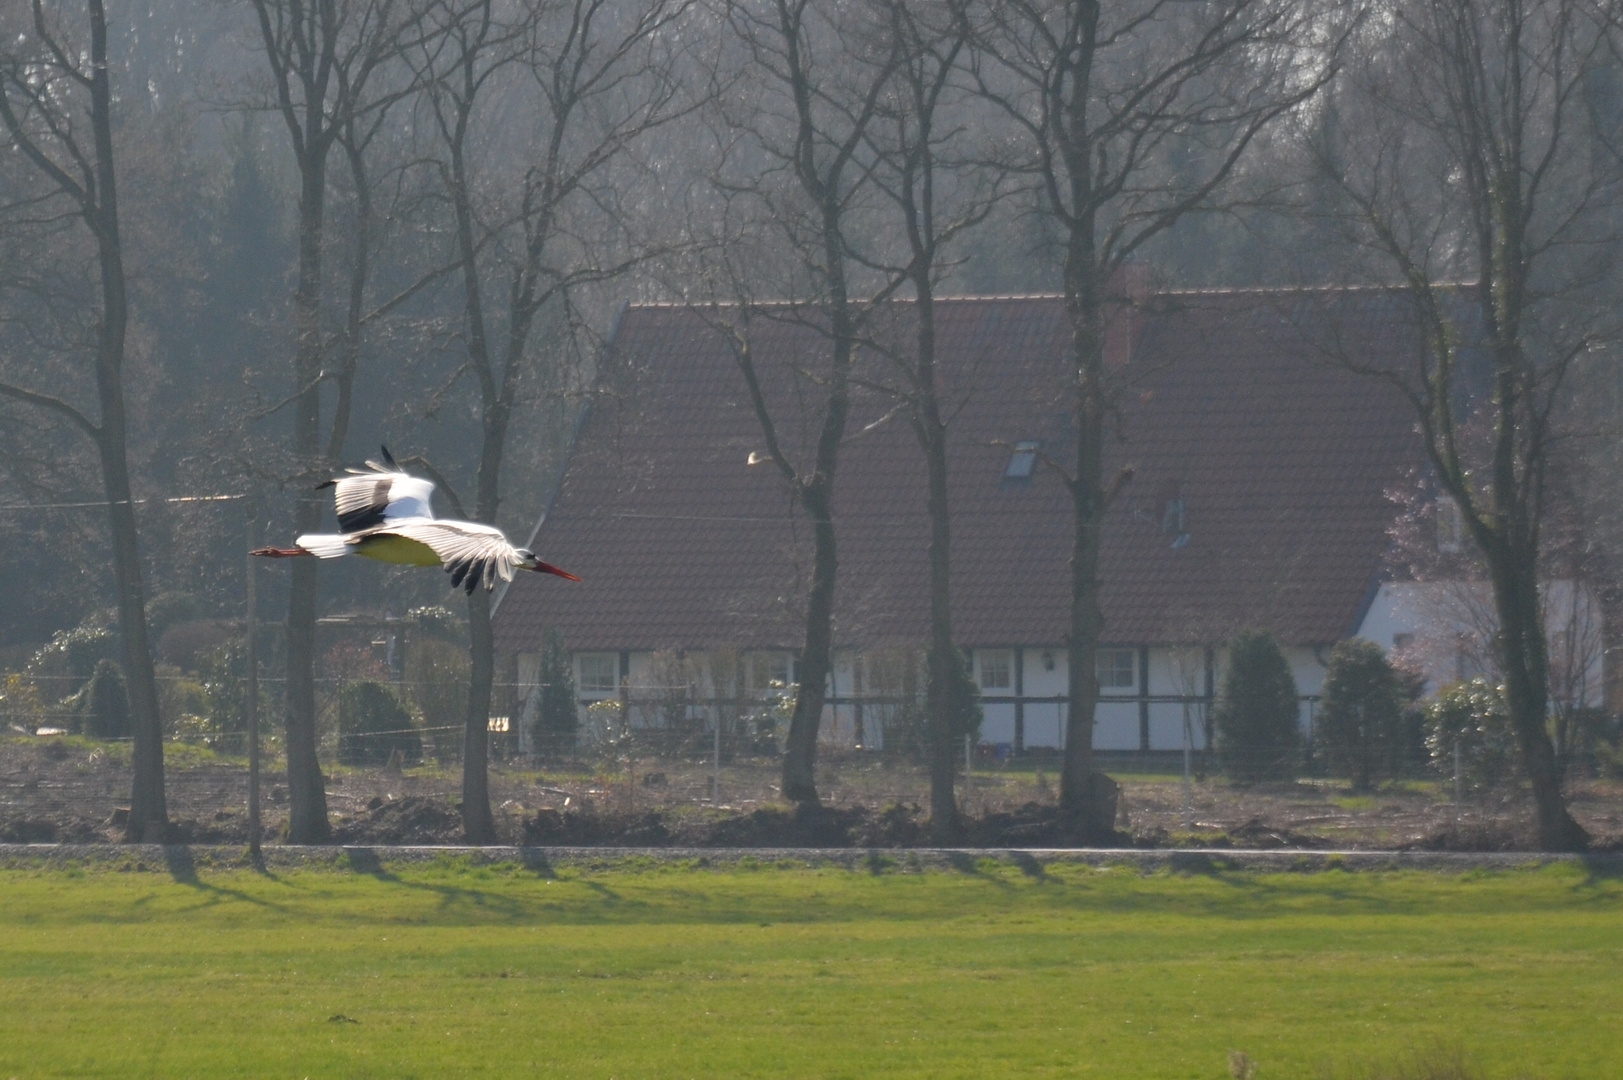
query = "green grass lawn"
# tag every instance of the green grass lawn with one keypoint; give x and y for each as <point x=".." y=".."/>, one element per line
<point x="644" y="971"/>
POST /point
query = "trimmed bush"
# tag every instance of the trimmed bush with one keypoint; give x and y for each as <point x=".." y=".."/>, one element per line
<point x="1471" y="715"/>
<point x="1257" y="733"/>
<point x="104" y="704"/>
<point x="1360" y="720"/>
<point x="557" y="716"/>
<point x="372" y="724"/>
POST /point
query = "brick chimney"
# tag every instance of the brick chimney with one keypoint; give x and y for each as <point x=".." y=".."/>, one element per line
<point x="1127" y="297"/>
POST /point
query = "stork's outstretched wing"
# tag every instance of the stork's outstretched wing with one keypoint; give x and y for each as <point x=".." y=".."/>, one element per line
<point x="472" y="553"/>
<point x="379" y="493"/>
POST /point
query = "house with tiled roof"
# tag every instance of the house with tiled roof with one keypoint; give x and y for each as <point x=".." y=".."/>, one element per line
<point x="1260" y="497"/>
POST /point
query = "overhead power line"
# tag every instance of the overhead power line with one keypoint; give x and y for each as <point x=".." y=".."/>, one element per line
<point x="120" y="502"/>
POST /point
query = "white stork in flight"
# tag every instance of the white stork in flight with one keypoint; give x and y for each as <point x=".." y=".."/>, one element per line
<point x="385" y="515"/>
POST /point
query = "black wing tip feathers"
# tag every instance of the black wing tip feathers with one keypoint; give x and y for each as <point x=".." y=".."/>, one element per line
<point x="388" y="458"/>
<point x="466" y="574"/>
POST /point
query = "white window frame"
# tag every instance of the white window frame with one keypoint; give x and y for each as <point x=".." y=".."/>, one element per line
<point x="1114" y="654"/>
<point x="765" y="668"/>
<point x="596" y="689"/>
<point x="1000" y="661"/>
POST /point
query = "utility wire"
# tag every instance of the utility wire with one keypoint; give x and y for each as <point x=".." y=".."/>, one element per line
<point x="120" y="502"/>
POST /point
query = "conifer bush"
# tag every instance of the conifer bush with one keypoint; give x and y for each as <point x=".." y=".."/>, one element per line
<point x="557" y="716"/>
<point x="372" y="724"/>
<point x="1257" y="733"/>
<point x="104" y="704"/>
<point x="965" y="695"/>
<point x="1360" y="719"/>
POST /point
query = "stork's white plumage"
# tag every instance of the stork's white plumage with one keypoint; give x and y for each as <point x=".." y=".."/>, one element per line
<point x="387" y="515"/>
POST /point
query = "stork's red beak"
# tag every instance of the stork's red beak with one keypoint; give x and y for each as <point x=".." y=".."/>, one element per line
<point x="547" y="568"/>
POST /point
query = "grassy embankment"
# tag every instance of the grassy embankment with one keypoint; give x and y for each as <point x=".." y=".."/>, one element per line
<point x="452" y="970"/>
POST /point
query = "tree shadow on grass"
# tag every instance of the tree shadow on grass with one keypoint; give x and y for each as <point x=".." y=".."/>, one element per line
<point x="603" y="891"/>
<point x="1601" y="867"/>
<point x="965" y="863"/>
<point x="1029" y="865"/>
<point x="365" y="860"/>
<point x="177" y="858"/>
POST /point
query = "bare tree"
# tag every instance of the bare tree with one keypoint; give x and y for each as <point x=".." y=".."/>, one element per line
<point x="600" y="76"/>
<point x="819" y="72"/>
<point x="1108" y="98"/>
<point x="1466" y="154"/>
<point x="327" y="59"/>
<point x="47" y="82"/>
<point x="939" y="190"/>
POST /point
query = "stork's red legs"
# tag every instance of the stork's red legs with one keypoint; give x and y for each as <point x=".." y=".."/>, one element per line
<point x="279" y="553"/>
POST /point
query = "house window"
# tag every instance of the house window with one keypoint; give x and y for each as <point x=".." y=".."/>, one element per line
<point x="995" y="669"/>
<point x="770" y="671"/>
<point x="1450" y="524"/>
<point x="1172" y="518"/>
<point x="1023" y="462"/>
<point x="599" y="673"/>
<point x="1115" y="668"/>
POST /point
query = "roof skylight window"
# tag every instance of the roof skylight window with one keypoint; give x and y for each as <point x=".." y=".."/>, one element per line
<point x="1023" y="462"/>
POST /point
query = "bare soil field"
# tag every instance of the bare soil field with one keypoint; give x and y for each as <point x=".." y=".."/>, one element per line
<point x="71" y="790"/>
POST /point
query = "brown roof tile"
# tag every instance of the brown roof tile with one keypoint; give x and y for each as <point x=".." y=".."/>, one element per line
<point x="1282" y="459"/>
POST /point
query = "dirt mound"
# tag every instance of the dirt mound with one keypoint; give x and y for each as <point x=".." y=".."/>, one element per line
<point x="1258" y="834"/>
<point x="224" y="827"/>
<point x="1473" y="836"/>
<point x="804" y="826"/>
<point x="409" y="820"/>
<point x="42" y="830"/>
<point x="1031" y="825"/>
<point x="898" y="825"/>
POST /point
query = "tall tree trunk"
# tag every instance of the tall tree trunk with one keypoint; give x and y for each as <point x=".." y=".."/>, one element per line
<point x="1082" y="305"/>
<point x="1524" y="663"/>
<point x="478" y="826"/>
<point x="816" y="657"/>
<point x="149" y="814"/>
<point x="944" y="691"/>
<point x="307" y="796"/>
<point x="816" y="495"/>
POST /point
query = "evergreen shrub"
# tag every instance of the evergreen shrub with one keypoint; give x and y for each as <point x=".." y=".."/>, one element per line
<point x="372" y="724"/>
<point x="1257" y="733"/>
<point x="963" y="695"/>
<point x="1360" y="718"/>
<point x="104" y="704"/>
<point x="557" y="716"/>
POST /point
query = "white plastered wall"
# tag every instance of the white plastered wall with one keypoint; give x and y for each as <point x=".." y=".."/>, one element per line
<point x="1444" y="628"/>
